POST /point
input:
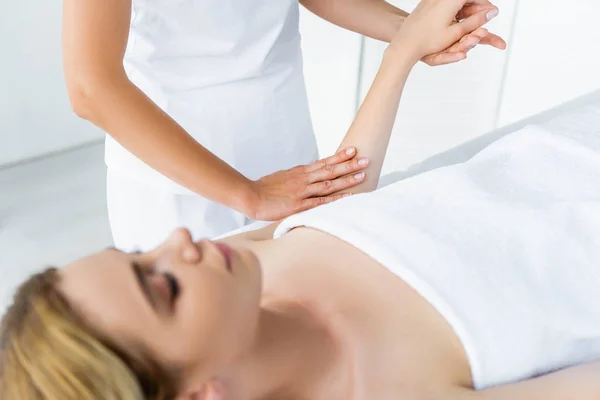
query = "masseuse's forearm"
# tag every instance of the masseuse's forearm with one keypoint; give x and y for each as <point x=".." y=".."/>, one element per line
<point x="128" y="115"/>
<point x="95" y="36"/>
<point x="371" y="130"/>
<point x="373" y="18"/>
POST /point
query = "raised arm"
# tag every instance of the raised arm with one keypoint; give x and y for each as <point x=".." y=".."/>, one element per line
<point x="577" y="383"/>
<point x="430" y="28"/>
<point x="427" y="30"/>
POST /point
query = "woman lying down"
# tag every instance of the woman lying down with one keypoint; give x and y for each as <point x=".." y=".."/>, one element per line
<point x="477" y="281"/>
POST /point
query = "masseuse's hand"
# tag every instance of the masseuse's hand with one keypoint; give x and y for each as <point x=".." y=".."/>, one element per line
<point x="284" y="193"/>
<point x="459" y="50"/>
<point x="433" y="27"/>
<point x="472" y="8"/>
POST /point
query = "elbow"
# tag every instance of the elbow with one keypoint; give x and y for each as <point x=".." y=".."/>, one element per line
<point x="88" y="92"/>
<point x="83" y="98"/>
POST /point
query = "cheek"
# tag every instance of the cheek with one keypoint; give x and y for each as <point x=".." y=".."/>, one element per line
<point x="205" y="314"/>
<point x="216" y="316"/>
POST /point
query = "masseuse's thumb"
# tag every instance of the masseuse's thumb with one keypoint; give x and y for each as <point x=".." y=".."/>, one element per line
<point x="473" y="22"/>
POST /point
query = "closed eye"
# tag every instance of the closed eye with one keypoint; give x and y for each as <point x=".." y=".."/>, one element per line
<point x="143" y="283"/>
<point x="142" y="274"/>
<point x="174" y="287"/>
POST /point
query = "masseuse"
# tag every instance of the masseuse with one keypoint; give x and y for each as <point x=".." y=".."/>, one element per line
<point x="204" y="100"/>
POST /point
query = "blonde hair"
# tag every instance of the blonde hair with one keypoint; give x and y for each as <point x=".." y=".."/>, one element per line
<point x="48" y="353"/>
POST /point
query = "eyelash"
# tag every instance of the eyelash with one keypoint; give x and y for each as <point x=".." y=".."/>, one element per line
<point x="174" y="287"/>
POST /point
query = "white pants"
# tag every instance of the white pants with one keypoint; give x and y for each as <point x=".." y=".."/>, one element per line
<point x="142" y="217"/>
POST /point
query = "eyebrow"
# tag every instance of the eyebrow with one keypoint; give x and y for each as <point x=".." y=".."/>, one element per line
<point x="140" y="278"/>
<point x="143" y="282"/>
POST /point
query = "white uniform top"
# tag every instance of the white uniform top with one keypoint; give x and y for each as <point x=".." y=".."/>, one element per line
<point x="506" y="246"/>
<point x="230" y="73"/>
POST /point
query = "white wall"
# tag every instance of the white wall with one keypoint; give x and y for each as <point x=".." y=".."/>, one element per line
<point x="35" y="116"/>
<point x="331" y="69"/>
<point x="555" y="56"/>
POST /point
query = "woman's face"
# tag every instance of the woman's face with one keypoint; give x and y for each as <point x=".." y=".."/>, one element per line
<point x="193" y="306"/>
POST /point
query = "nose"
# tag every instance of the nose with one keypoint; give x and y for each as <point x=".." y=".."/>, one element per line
<point x="180" y="236"/>
<point x="181" y="242"/>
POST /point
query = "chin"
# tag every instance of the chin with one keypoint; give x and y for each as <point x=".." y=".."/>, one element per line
<point x="250" y="260"/>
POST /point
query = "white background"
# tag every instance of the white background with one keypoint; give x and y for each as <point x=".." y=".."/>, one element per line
<point x="552" y="58"/>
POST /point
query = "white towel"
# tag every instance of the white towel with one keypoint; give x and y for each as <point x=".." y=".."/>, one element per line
<point x="505" y="245"/>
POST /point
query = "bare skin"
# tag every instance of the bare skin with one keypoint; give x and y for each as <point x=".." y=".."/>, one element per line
<point x="252" y="318"/>
<point x="386" y="346"/>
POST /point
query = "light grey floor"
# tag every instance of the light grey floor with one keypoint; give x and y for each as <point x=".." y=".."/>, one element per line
<point x="52" y="211"/>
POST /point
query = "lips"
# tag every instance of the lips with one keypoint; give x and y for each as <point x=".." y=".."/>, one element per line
<point x="227" y="253"/>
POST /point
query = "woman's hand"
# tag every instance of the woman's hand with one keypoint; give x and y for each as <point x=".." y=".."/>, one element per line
<point x="288" y="192"/>
<point x="459" y="50"/>
<point x="433" y="27"/>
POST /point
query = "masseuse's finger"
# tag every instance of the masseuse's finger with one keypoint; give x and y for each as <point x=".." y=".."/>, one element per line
<point x="319" y="201"/>
<point x="472" y="9"/>
<point x="339" y="157"/>
<point x="478" y="2"/>
<point x="327" y="187"/>
<point x="333" y="171"/>
<point x="472" y="23"/>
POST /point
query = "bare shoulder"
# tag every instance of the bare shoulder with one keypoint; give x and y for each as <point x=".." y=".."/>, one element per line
<point x="256" y="235"/>
<point x="581" y="382"/>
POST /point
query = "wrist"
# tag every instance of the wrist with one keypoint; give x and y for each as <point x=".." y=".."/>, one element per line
<point x="246" y="199"/>
<point x="401" y="54"/>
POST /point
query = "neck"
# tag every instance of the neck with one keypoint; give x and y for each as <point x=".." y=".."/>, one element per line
<point x="292" y="356"/>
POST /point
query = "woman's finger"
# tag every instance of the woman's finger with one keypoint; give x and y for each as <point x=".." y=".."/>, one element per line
<point x="325" y="188"/>
<point x="333" y="171"/>
<point x="445" y="58"/>
<point x="480" y="33"/>
<point x="458" y="50"/>
<point x="466" y="44"/>
<point x="494" y="41"/>
<point x="339" y="157"/>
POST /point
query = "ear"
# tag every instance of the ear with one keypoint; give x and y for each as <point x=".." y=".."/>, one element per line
<point x="213" y="390"/>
